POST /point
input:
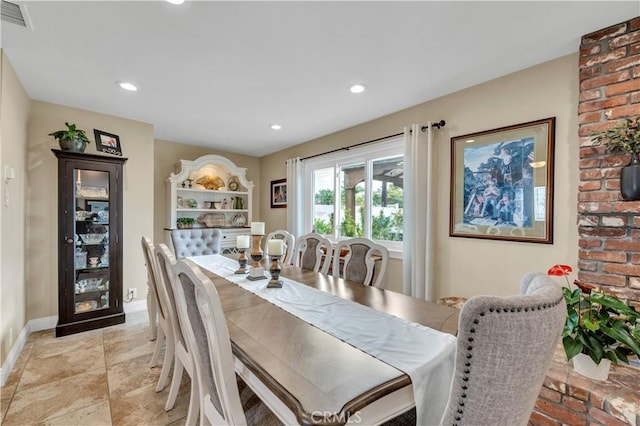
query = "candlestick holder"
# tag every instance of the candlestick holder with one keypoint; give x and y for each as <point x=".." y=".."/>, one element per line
<point x="242" y="261"/>
<point x="274" y="270"/>
<point x="256" y="272"/>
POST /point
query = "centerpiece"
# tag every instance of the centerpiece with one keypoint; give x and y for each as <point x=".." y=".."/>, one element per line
<point x="600" y="328"/>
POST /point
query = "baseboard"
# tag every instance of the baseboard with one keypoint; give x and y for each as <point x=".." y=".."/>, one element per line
<point x="46" y="323"/>
<point x="138" y="305"/>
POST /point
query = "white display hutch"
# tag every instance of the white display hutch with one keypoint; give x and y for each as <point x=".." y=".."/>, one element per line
<point x="215" y="208"/>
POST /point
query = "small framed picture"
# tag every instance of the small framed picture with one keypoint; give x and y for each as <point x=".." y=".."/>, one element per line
<point x="278" y="193"/>
<point x="107" y="142"/>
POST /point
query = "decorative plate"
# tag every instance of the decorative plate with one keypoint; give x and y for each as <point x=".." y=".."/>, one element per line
<point x="191" y="203"/>
<point x="238" y="220"/>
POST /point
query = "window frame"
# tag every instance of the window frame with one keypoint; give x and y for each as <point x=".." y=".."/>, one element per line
<point x="367" y="155"/>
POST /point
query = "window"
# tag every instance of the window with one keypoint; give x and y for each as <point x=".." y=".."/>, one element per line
<point x="357" y="193"/>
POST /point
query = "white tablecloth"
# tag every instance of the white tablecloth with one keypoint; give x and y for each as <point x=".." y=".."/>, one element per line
<point x="426" y="355"/>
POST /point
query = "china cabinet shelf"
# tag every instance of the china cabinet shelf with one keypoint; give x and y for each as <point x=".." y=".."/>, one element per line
<point x="213" y="210"/>
<point x="89" y="297"/>
<point x="212" y="191"/>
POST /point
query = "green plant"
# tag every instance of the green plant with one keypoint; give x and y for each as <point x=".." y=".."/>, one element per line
<point x="185" y="220"/>
<point x="71" y="133"/>
<point x="624" y="137"/>
<point x="598" y="325"/>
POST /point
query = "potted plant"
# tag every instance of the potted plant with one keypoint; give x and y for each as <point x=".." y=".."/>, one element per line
<point x="625" y="137"/>
<point x="185" y="222"/>
<point x="71" y="139"/>
<point x="600" y="328"/>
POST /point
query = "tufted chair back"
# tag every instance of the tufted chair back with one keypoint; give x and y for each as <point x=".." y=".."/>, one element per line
<point x="505" y="345"/>
<point x="195" y="242"/>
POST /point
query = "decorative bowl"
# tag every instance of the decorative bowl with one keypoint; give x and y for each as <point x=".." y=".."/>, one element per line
<point x="89" y="305"/>
<point x="92" y="238"/>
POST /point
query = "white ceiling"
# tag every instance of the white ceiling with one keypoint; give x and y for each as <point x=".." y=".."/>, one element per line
<point x="217" y="74"/>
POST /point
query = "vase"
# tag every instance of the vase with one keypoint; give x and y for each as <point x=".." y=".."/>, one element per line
<point x="73" y="145"/>
<point x="630" y="179"/>
<point x="584" y="365"/>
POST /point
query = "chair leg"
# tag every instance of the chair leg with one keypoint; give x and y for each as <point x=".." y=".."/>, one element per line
<point x="158" y="347"/>
<point x="152" y="309"/>
<point x="176" y="380"/>
<point x="194" y="405"/>
<point x="169" y="353"/>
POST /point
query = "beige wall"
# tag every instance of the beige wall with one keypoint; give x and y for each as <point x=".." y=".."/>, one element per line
<point x="168" y="154"/>
<point x="136" y="139"/>
<point x="14" y="114"/>
<point x="463" y="266"/>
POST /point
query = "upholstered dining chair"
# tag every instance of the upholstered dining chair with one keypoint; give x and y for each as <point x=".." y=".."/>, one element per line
<point x="195" y="242"/>
<point x="505" y="345"/>
<point x="152" y="297"/>
<point x="313" y="251"/>
<point x="177" y="346"/>
<point x="206" y="328"/>
<point x="361" y="260"/>
<point x="288" y="240"/>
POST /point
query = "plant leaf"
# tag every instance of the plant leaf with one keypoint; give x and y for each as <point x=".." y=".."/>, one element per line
<point x="571" y="347"/>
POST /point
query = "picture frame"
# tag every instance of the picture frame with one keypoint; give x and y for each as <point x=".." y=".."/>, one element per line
<point x="279" y="194"/>
<point x="502" y="183"/>
<point x="107" y="142"/>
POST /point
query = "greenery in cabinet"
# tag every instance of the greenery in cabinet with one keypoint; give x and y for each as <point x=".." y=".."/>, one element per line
<point x="185" y="222"/>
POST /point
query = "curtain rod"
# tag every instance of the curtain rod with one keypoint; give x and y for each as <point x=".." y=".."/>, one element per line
<point x="437" y="125"/>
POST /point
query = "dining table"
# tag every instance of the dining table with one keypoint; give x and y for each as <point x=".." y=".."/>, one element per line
<point x="309" y="374"/>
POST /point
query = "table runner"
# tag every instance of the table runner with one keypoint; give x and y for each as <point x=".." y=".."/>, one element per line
<point x="426" y="355"/>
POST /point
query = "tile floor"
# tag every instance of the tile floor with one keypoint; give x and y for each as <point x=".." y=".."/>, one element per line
<point x="95" y="378"/>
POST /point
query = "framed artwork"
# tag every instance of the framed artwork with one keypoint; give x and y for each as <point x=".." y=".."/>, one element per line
<point x="107" y="142"/>
<point x="502" y="183"/>
<point x="278" y="193"/>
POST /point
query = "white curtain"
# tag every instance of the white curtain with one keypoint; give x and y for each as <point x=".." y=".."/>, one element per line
<point x="419" y="194"/>
<point x="294" y="197"/>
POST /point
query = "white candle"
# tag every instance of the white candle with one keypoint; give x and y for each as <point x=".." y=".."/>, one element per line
<point x="275" y="247"/>
<point x="242" y="241"/>
<point x="257" y="228"/>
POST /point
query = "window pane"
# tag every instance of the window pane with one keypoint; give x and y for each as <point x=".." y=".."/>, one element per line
<point x="324" y="199"/>
<point x="388" y="197"/>
<point x="352" y="206"/>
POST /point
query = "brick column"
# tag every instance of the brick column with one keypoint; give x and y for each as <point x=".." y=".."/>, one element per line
<point x="609" y="227"/>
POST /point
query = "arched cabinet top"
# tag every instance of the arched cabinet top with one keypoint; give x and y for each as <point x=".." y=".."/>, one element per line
<point x="214" y="165"/>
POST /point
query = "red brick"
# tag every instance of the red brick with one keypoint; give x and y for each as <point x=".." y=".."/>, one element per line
<point x="591" y="151"/>
<point x="608" y="32"/>
<point x="589" y="50"/>
<point x="561" y="413"/>
<point x="539" y="419"/>
<point x="589" y="243"/>
<point x="605" y="418"/>
<point x="591" y="197"/>
<point x="589" y="95"/>
<point x="635" y="258"/>
<point x="612" y="184"/>
<point x="615" y="160"/>
<point x="589" y="163"/>
<point x="625" y="39"/>
<point x="593" y="207"/>
<point x="635" y="305"/>
<point x="627" y="207"/>
<point x="636" y="221"/>
<point x="592" y="185"/>
<point x="624" y="293"/>
<point x="613" y="55"/>
<point x="612" y="280"/>
<point x="590" y="174"/>
<point x="587" y="266"/>
<point x="624" y="87"/>
<point x="622" y="245"/>
<point x="550" y="394"/>
<point x="634" y="49"/>
<point x="611" y="173"/>
<point x="635" y="234"/>
<point x="599" y="105"/>
<point x="622" y="64"/>
<point x="602" y="232"/>
<point x="615" y="268"/>
<point x="579" y="393"/>
<point x="623" y="111"/>
<point x="587" y="73"/>
<point x="635" y="98"/>
<point x="636" y="72"/>
<point x="554" y="384"/>
<point x="590" y="117"/>
<point x="608" y="256"/>
<point x="595" y="129"/>
<point x="596" y="400"/>
<point x="614" y="221"/>
<point x="634" y="24"/>
<point x="588" y="220"/>
<point x="604" y="80"/>
<point x="574" y="404"/>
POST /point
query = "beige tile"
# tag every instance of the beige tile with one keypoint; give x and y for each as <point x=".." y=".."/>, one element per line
<point x="143" y="406"/>
<point x="132" y="374"/>
<point x="6" y="394"/>
<point x="84" y="357"/>
<point x="94" y="415"/>
<point x="54" y="399"/>
<point x="123" y="345"/>
<point x="44" y="348"/>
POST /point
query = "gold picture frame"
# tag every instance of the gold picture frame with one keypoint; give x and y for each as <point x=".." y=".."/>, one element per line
<point x="502" y="183"/>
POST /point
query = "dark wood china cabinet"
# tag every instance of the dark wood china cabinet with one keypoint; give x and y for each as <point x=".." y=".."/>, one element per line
<point x="89" y="241"/>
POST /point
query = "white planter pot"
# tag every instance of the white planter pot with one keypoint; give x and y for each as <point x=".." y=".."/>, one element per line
<point x="583" y="364"/>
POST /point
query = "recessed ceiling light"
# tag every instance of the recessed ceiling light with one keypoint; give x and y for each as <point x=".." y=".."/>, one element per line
<point x="357" y="88"/>
<point x="275" y="127"/>
<point x="176" y="1"/>
<point x="127" y="86"/>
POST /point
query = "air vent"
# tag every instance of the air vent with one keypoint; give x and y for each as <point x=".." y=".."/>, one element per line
<point x="12" y="12"/>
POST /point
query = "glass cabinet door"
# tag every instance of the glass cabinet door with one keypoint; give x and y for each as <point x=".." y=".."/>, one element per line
<point x="91" y="239"/>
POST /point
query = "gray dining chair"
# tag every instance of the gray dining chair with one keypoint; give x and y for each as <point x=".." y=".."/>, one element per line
<point x="313" y="251"/>
<point x="288" y="242"/>
<point x="361" y="260"/>
<point x="152" y="297"/>
<point x="195" y="242"/>
<point x="224" y="398"/>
